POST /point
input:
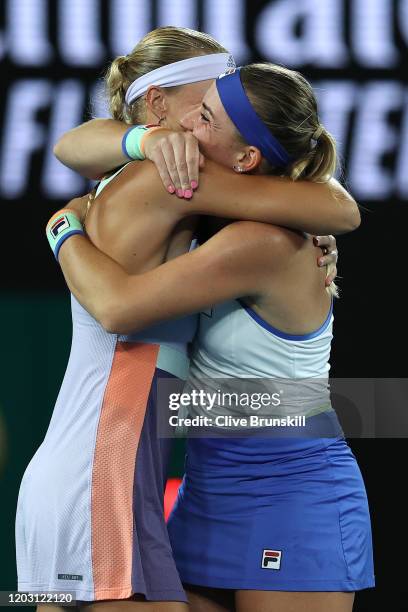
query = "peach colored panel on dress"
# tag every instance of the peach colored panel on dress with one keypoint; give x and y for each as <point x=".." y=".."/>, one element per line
<point x="119" y="429"/>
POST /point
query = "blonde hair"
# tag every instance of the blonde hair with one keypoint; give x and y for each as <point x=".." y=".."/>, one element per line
<point x="286" y="103"/>
<point x="158" y="48"/>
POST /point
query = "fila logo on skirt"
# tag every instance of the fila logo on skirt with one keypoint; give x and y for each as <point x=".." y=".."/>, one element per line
<point x="271" y="559"/>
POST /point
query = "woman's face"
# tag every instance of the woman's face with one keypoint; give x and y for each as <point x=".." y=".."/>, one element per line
<point x="183" y="101"/>
<point x="214" y="130"/>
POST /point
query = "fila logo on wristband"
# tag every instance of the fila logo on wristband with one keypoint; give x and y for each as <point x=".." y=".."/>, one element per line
<point x="271" y="559"/>
<point x="60" y="225"/>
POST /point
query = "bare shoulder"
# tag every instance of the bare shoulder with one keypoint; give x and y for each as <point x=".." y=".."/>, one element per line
<point x="138" y="183"/>
<point x="257" y="235"/>
<point x="139" y="174"/>
<point x="248" y="246"/>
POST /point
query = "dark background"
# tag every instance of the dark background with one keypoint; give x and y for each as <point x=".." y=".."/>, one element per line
<point x="54" y="54"/>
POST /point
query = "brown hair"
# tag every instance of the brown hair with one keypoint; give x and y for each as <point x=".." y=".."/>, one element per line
<point x="285" y="102"/>
<point x="158" y="48"/>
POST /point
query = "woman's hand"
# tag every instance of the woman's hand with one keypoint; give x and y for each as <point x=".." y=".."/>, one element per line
<point x="177" y="158"/>
<point x="328" y="245"/>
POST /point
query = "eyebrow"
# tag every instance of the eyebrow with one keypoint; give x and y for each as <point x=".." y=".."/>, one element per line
<point x="208" y="109"/>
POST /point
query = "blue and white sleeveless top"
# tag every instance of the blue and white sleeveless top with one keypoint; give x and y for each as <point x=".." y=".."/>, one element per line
<point x="234" y="342"/>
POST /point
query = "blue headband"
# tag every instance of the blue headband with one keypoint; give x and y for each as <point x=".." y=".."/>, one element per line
<point x="249" y="125"/>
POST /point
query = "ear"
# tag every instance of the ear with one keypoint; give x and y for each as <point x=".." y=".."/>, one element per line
<point x="156" y="102"/>
<point x="249" y="159"/>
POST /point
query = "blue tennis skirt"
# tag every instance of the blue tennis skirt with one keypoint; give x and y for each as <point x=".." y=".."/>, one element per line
<point x="272" y="514"/>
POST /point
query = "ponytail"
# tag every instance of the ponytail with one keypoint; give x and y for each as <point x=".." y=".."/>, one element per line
<point x="318" y="164"/>
<point x="117" y="83"/>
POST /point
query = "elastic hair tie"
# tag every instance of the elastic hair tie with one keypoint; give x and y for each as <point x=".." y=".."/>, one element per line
<point x="318" y="132"/>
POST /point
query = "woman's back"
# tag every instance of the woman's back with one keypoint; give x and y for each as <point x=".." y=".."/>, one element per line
<point x="294" y="298"/>
<point x="89" y="369"/>
<point x="101" y="450"/>
<point x="138" y="231"/>
<point x="277" y="342"/>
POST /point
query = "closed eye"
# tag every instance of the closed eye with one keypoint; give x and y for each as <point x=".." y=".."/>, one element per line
<point x="204" y="118"/>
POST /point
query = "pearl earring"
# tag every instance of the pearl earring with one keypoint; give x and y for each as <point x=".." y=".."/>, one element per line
<point x="237" y="168"/>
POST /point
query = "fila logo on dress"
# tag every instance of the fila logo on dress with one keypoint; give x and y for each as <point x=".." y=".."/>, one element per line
<point x="271" y="559"/>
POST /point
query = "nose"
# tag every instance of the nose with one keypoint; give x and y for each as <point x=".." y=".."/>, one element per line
<point x="188" y="121"/>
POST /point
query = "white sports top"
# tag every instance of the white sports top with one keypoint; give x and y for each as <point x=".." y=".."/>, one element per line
<point x="235" y="342"/>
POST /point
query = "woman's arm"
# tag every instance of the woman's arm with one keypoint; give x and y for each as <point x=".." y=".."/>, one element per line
<point x="221" y="269"/>
<point x="177" y="158"/>
<point x="315" y="208"/>
<point x="224" y="193"/>
<point x="93" y="148"/>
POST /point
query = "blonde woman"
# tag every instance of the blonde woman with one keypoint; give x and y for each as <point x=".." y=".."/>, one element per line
<point x="260" y="524"/>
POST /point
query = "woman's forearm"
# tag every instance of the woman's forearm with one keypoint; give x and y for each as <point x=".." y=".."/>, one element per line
<point x="315" y="208"/>
<point x="93" y="148"/>
<point x="93" y="277"/>
<point x="234" y="262"/>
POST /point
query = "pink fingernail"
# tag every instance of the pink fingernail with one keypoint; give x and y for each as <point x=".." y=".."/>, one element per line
<point x="180" y="193"/>
<point x="194" y="184"/>
<point x="171" y="189"/>
<point x="188" y="194"/>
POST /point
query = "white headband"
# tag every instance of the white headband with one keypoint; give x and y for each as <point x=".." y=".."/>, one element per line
<point x="192" y="70"/>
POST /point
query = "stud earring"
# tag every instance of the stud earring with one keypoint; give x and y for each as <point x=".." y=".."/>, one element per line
<point x="237" y="168"/>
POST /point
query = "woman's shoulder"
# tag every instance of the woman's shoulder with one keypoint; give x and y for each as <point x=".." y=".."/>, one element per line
<point x="137" y="183"/>
<point x="264" y="235"/>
